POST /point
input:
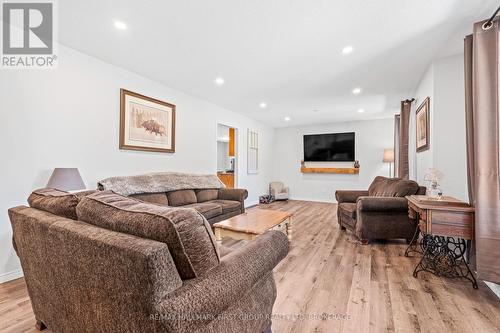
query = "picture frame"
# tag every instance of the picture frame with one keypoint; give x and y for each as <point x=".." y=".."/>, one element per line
<point x="422" y="126"/>
<point x="146" y="124"/>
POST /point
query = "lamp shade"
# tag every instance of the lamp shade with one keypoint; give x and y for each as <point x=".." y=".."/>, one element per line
<point x="66" y="179"/>
<point x="388" y="155"/>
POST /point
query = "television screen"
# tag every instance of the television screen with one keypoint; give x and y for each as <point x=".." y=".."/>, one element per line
<point x="334" y="147"/>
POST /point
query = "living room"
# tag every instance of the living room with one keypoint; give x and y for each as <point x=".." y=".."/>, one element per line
<point x="301" y="239"/>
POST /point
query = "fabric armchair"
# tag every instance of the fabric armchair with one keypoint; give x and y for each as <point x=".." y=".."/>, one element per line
<point x="279" y="191"/>
<point x="381" y="212"/>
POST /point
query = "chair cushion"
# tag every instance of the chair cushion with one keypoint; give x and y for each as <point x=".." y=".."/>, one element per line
<point x="54" y="201"/>
<point x="185" y="231"/>
<point x="228" y="206"/>
<point x="157" y="198"/>
<point x="277" y="186"/>
<point x="181" y="198"/>
<point x="207" y="195"/>
<point x="348" y="209"/>
<point x="207" y="209"/>
<point x="281" y="196"/>
<point x="392" y="187"/>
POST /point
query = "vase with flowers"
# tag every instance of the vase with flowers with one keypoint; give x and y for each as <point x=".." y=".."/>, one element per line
<point x="434" y="177"/>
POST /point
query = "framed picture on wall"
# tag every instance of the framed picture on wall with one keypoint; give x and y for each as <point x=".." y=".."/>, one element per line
<point x="146" y="123"/>
<point x="422" y="123"/>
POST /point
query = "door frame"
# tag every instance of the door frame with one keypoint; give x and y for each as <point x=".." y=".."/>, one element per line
<point x="236" y="149"/>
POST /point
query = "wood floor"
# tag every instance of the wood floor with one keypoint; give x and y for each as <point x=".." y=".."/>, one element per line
<point x="331" y="283"/>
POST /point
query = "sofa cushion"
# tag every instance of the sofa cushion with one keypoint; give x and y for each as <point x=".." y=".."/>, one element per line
<point x="181" y="198"/>
<point x="348" y="209"/>
<point x="157" y="198"/>
<point x="392" y="187"/>
<point x="185" y="231"/>
<point x="228" y="206"/>
<point x="207" y="209"/>
<point x="207" y="195"/>
<point x="54" y="201"/>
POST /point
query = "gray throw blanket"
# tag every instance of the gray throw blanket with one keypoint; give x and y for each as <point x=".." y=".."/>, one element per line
<point x="159" y="182"/>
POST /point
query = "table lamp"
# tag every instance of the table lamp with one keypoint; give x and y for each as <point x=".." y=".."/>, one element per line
<point x="66" y="179"/>
<point x="389" y="158"/>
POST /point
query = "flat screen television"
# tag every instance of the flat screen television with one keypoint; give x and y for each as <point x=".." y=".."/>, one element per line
<point x="333" y="147"/>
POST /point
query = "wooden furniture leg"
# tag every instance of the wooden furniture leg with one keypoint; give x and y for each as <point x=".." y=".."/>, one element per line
<point x="40" y="325"/>
<point x="288" y="226"/>
<point x="218" y="236"/>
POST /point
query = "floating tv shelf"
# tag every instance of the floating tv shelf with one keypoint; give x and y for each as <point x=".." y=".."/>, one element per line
<point x="348" y="171"/>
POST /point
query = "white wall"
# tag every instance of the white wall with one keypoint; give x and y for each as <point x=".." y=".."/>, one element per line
<point x="450" y="153"/>
<point x="421" y="162"/>
<point x="371" y="138"/>
<point x="444" y="84"/>
<point x="69" y="117"/>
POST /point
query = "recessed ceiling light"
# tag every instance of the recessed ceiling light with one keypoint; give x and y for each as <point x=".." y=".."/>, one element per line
<point x="263" y="105"/>
<point x="361" y="110"/>
<point x="356" y="91"/>
<point x="347" y="49"/>
<point x="315" y="110"/>
<point x="219" y="81"/>
<point x="120" y="25"/>
<point x="287" y="119"/>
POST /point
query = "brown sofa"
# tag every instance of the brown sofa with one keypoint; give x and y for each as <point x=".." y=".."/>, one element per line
<point x="102" y="262"/>
<point x="214" y="204"/>
<point x="381" y="212"/>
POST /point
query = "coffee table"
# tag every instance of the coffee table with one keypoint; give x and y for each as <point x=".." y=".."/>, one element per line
<point x="253" y="223"/>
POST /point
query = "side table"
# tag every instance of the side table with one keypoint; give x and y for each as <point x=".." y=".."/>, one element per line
<point x="446" y="227"/>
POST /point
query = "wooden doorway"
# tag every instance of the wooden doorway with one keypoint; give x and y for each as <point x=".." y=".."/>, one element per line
<point x="227" y="155"/>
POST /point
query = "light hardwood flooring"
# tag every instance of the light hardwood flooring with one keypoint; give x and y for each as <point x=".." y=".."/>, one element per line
<point x="356" y="288"/>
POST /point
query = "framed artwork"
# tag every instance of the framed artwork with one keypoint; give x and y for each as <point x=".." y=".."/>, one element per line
<point x="253" y="152"/>
<point x="146" y="123"/>
<point x="422" y="130"/>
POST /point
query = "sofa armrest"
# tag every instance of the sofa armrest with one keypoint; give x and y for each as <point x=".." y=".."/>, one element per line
<point x="382" y="204"/>
<point x="210" y="294"/>
<point x="349" y="195"/>
<point x="235" y="194"/>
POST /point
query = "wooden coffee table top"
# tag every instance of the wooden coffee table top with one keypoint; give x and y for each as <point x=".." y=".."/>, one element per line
<point x="254" y="221"/>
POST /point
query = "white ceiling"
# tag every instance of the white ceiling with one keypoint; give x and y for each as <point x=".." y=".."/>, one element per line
<point x="284" y="52"/>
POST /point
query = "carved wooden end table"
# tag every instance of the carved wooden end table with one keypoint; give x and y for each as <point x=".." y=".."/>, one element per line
<point x="447" y="227"/>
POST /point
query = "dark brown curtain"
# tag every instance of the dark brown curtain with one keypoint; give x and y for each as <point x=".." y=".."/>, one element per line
<point x="404" y="128"/>
<point x="482" y="111"/>
<point x="397" y="123"/>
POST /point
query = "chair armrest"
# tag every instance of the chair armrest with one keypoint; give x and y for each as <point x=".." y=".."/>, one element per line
<point x="382" y="204"/>
<point x="349" y="195"/>
<point x="235" y="194"/>
<point x="286" y="190"/>
<point x="213" y="292"/>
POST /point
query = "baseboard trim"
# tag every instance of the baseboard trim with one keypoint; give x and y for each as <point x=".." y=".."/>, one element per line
<point x="251" y="204"/>
<point x="314" y="200"/>
<point x="9" y="276"/>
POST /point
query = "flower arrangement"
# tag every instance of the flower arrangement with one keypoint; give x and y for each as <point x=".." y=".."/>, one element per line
<point x="434" y="176"/>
